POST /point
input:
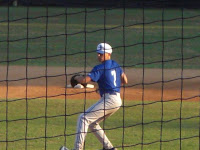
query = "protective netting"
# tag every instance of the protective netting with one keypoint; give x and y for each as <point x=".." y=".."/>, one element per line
<point x="42" y="47"/>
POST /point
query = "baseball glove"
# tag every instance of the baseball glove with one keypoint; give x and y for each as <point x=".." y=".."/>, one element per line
<point x="75" y="82"/>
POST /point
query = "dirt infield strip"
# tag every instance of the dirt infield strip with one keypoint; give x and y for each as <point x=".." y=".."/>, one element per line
<point x="54" y="85"/>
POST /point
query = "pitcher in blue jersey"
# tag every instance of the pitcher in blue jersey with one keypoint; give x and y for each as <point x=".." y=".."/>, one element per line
<point x="109" y="76"/>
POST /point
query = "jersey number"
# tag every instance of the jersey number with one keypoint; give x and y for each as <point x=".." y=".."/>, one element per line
<point x="113" y="73"/>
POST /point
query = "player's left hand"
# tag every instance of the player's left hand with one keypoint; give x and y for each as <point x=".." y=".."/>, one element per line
<point x="74" y="81"/>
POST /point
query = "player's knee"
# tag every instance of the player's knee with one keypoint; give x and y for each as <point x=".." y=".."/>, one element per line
<point x="83" y="118"/>
<point x="93" y="126"/>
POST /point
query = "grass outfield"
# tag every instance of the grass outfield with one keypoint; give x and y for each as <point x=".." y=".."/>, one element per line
<point x="53" y="127"/>
<point x="86" y="30"/>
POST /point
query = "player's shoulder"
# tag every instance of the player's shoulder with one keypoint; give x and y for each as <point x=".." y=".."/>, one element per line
<point x="108" y="64"/>
<point x="114" y="63"/>
<point x="98" y="67"/>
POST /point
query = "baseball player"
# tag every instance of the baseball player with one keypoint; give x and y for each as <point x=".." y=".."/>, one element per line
<point x="109" y="76"/>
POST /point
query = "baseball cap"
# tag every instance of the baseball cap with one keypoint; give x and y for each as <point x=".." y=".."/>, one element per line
<point x="104" y="48"/>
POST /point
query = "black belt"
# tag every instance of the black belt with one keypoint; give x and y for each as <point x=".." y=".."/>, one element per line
<point x="112" y="93"/>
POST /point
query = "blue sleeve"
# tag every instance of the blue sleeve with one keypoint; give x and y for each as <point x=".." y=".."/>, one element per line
<point x="95" y="74"/>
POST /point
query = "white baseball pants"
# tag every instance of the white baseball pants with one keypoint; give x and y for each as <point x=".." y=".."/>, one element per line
<point x="105" y="107"/>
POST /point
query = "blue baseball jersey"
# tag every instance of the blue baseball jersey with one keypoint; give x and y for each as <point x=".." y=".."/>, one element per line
<point x="108" y="76"/>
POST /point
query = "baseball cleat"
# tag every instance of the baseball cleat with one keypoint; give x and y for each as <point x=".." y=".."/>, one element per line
<point x="63" y="148"/>
<point x="110" y="149"/>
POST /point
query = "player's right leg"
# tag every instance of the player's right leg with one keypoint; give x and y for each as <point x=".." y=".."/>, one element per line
<point x="112" y="104"/>
<point x="99" y="111"/>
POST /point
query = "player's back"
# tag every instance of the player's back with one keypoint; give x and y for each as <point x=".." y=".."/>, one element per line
<point x="110" y="79"/>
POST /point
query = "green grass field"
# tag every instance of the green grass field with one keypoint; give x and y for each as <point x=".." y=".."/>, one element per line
<point x="130" y="136"/>
<point x="85" y="29"/>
